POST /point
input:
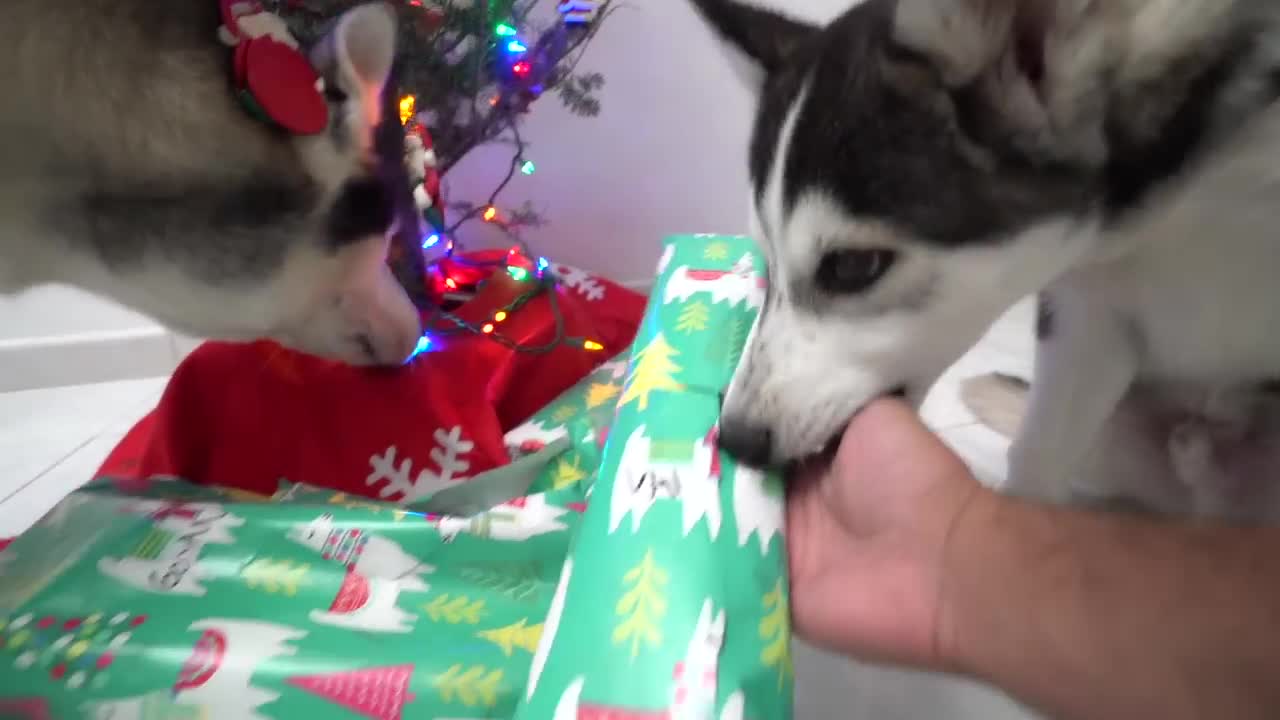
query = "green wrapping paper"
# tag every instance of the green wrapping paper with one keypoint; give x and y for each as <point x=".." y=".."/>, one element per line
<point x="532" y="591"/>
<point x="673" y="601"/>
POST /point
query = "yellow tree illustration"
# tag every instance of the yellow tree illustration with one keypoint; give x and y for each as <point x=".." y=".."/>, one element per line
<point x="456" y="611"/>
<point x="567" y="473"/>
<point x="775" y="631"/>
<point x="275" y="576"/>
<point x="694" y="317"/>
<point x="564" y="414"/>
<point x="716" y="251"/>
<point x="476" y="685"/>
<point x="601" y="393"/>
<point x="654" y="369"/>
<point x="517" y="635"/>
<point x="642" y="606"/>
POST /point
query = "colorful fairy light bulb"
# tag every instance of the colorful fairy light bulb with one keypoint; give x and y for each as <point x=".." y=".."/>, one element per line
<point x="522" y="68"/>
<point x="592" y="345"/>
<point x="488" y="328"/>
<point x="504" y="30"/>
<point x="407" y="105"/>
<point x="490" y="213"/>
<point x="528" y="168"/>
<point x="500" y="316"/>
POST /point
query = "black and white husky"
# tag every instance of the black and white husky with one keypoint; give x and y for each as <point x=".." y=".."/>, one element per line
<point x="920" y="165"/>
<point x="128" y="168"/>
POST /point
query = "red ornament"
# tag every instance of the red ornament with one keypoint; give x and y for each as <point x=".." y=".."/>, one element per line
<point x="285" y="86"/>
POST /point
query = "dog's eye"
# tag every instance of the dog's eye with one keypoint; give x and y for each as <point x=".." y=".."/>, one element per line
<point x="853" y="271"/>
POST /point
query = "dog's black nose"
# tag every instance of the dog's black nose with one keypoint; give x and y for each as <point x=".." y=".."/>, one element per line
<point x="748" y="444"/>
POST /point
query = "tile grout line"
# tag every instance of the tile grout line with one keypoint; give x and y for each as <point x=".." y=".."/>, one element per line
<point x="66" y="456"/>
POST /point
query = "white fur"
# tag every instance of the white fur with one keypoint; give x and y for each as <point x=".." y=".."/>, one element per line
<point x="1166" y="316"/>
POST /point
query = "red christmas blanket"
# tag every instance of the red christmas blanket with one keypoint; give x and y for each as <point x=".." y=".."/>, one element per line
<point x="248" y="416"/>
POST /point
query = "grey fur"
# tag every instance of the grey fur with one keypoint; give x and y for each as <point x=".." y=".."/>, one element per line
<point x="1027" y="143"/>
<point x="128" y="167"/>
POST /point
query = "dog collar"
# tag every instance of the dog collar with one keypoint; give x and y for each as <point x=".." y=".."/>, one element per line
<point x="273" y="80"/>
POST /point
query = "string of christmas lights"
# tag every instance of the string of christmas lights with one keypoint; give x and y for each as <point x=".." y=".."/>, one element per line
<point x="523" y="69"/>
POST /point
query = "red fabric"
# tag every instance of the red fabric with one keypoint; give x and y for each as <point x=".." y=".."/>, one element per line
<point x="247" y="416"/>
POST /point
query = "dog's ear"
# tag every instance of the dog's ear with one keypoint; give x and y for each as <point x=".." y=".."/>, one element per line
<point x="996" y="54"/>
<point x="966" y="38"/>
<point x="357" y="55"/>
<point x="768" y="39"/>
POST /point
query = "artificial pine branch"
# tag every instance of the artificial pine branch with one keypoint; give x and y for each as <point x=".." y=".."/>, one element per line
<point x="453" y="66"/>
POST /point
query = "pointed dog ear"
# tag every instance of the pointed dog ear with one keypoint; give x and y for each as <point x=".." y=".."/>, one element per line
<point x="998" y="53"/>
<point x="767" y="38"/>
<point x="969" y="38"/>
<point x="358" y="53"/>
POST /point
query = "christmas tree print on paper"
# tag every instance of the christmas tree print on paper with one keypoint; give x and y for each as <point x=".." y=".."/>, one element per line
<point x="454" y="610"/>
<point x="275" y="576"/>
<point x="448" y="455"/>
<point x="75" y="651"/>
<point x="564" y="414"/>
<point x="693" y="688"/>
<point x="694" y="317"/>
<point x="600" y="393"/>
<point x="519" y="635"/>
<point x="642" y="606"/>
<point x="567" y="471"/>
<point x="350" y="502"/>
<point x="714" y="251"/>
<point x="654" y="369"/>
<point x="775" y="632"/>
<point x="377" y="693"/>
<point x="518" y="582"/>
<point x="472" y="686"/>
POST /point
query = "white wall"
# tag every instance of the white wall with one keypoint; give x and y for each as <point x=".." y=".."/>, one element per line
<point x="666" y="155"/>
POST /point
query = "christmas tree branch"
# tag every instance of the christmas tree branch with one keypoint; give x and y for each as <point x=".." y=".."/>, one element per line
<point x="516" y="159"/>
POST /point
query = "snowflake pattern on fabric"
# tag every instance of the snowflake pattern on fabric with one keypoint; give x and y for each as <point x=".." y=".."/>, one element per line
<point x="579" y="280"/>
<point x="449" y="456"/>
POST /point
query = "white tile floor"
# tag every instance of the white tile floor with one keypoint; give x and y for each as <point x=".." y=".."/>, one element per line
<point x="52" y="440"/>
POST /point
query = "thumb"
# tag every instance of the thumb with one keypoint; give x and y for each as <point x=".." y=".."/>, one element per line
<point x="887" y="433"/>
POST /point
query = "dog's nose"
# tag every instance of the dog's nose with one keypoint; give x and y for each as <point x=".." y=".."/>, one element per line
<point x="748" y="444"/>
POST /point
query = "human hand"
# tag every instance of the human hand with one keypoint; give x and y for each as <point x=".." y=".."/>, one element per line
<point x="867" y="540"/>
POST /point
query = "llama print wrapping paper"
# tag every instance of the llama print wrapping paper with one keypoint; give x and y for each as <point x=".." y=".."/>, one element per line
<point x="673" y="603"/>
<point x="619" y="567"/>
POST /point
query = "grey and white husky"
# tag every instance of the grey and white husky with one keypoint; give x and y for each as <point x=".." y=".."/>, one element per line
<point x="128" y="168"/>
<point x="920" y="165"/>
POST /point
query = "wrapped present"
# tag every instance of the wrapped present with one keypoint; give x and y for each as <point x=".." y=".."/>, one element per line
<point x="673" y="600"/>
<point x="618" y="566"/>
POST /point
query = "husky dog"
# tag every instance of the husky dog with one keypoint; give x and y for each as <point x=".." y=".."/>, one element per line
<point x="920" y="165"/>
<point x="129" y="168"/>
